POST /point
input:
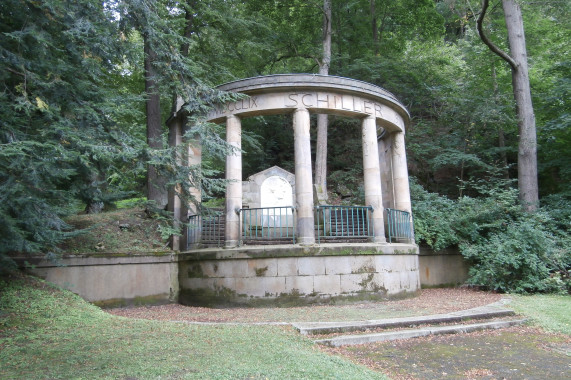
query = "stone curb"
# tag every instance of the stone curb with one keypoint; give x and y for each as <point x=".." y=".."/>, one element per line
<point x="407" y="334"/>
<point x="483" y="312"/>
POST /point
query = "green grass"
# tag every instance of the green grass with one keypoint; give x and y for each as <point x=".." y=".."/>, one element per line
<point x="552" y="312"/>
<point x="46" y="332"/>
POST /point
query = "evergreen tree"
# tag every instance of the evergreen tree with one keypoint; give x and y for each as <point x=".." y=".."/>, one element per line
<point x="58" y="116"/>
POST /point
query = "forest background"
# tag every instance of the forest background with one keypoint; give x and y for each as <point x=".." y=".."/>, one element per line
<point x="88" y="85"/>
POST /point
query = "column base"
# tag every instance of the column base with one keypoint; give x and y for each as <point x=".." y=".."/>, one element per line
<point x="231" y="243"/>
<point x="379" y="239"/>
<point x="305" y="240"/>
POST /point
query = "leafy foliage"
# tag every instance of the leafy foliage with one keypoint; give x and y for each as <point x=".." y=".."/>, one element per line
<point x="72" y="129"/>
<point x="57" y="113"/>
<point x="509" y="250"/>
<point x="433" y="218"/>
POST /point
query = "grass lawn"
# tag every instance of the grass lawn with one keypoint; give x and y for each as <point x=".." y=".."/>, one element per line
<point x="49" y="333"/>
<point x="552" y="312"/>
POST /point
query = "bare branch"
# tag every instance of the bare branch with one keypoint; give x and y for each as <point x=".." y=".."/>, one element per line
<point x="16" y="72"/>
<point x="506" y="57"/>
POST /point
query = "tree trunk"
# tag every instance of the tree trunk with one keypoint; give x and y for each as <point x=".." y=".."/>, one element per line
<point x="527" y="149"/>
<point x="527" y="146"/>
<point x="501" y="135"/>
<point x="156" y="184"/>
<point x="321" y="145"/>
<point x="374" y="29"/>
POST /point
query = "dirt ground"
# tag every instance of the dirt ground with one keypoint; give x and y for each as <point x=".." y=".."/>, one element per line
<point x="515" y="353"/>
<point x="430" y="301"/>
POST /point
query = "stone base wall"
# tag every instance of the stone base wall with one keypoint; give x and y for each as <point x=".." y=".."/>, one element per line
<point x="111" y="281"/>
<point x="442" y="268"/>
<point x="297" y="280"/>
<point x="263" y="275"/>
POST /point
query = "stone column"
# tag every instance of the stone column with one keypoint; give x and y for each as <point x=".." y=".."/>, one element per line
<point x="234" y="185"/>
<point x="372" y="176"/>
<point x="191" y="155"/>
<point x="305" y="234"/>
<point x="193" y="159"/>
<point x="174" y="203"/>
<point x="400" y="173"/>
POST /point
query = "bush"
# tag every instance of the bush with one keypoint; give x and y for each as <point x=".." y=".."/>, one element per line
<point x="509" y="249"/>
<point x="433" y="218"/>
<point x="513" y="260"/>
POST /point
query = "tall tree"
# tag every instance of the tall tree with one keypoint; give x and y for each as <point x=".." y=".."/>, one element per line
<point x="156" y="183"/>
<point x="58" y="116"/>
<point x="527" y="146"/>
<point x="322" y="119"/>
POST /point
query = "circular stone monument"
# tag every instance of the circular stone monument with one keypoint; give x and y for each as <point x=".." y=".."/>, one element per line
<point x="306" y="270"/>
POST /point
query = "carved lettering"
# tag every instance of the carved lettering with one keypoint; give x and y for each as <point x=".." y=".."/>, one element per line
<point x="378" y="111"/>
<point x="303" y="100"/>
<point x="367" y="108"/>
<point x="293" y="98"/>
<point x="336" y="100"/>
<point x="253" y="103"/>
<point x="354" y="105"/>
<point x="343" y="104"/>
<point x="228" y="107"/>
<point x="326" y="100"/>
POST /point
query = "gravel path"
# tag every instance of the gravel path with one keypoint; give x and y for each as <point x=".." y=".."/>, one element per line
<point x="430" y="301"/>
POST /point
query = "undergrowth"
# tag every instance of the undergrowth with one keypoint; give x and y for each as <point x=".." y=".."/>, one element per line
<point x="509" y="249"/>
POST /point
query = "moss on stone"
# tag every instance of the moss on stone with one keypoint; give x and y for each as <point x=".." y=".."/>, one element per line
<point x="194" y="270"/>
<point x="260" y="272"/>
<point x="157" y="299"/>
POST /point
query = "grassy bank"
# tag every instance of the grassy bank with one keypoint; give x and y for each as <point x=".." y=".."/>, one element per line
<point x="49" y="333"/>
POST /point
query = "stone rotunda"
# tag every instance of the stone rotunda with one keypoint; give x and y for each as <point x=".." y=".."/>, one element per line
<point x="285" y="247"/>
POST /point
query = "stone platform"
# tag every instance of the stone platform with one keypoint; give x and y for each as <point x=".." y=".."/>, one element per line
<point x="294" y="274"/>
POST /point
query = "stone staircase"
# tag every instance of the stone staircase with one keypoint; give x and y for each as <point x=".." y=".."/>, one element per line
<point x="335" y="334"/>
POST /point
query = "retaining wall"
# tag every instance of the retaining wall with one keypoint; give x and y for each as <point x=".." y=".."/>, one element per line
<point x="114" y="280"/>
<point x="446" y="267"/>
<point x="255" y="275"/>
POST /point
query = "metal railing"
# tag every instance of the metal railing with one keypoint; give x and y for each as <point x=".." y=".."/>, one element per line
<point x="344" y="222"/>
<point x="271" y="225"/>
<point x="207" y="230"/>
<point x="268" y="223"/>
<point x="399" y="225"/>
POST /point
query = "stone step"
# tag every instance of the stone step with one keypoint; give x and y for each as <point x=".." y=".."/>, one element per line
<point x="347" y="340"/>
<point x="483" y="312"/>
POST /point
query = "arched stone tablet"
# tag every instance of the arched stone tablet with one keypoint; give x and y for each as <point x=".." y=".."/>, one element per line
<point x="284" y="93"/>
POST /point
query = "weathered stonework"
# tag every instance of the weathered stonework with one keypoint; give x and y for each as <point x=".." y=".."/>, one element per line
<point x="254" y="275"/>
<point x="254" y="278"/>
<point x="113" y="280"/>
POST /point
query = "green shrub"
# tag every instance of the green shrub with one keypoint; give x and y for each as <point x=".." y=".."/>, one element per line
<point x="509" y="250"/>
<point x="433" y="218"/>
<point x="512" y="260"/>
